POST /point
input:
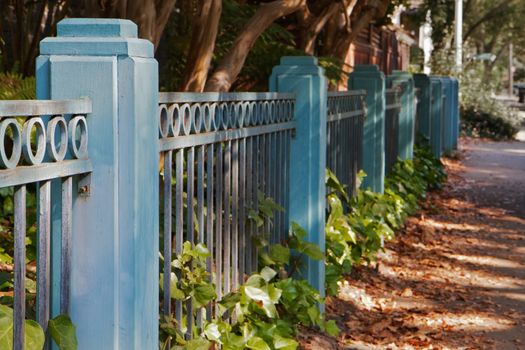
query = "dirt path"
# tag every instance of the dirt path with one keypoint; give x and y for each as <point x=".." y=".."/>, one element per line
<point x="455" y="278"/>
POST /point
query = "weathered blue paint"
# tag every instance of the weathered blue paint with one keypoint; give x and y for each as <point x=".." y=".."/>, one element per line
<point x="436" y="118"/>
<point x="306" y="79"/>
<point x="423" y="113"/>
<point x="114" y="272"/>
<point x="371" y="79"/>
<point x="407" y="113"/>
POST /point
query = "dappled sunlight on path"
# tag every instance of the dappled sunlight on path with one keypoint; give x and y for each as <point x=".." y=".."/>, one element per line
<point x="455" y="277"/>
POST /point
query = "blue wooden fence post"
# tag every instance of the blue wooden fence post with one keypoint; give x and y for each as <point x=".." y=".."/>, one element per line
<point x="455" y="112"/>
<point x="422" y="82"/>
<point x="306" y="79"/>
<point x="371" y="79"/>
<point x="448" y="121"/>
<point x="407" y="113"/>
<point x="436" y="116"/>
<point x="114" y="271"/>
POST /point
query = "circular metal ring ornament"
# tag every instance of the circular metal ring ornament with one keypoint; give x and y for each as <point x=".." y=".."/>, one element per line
<point x="197" y="118"/>
<point x="251" y="118"/>
<point x="207" y="117"/>
<point x="164" y="121"/>
<point x="78" y="147"/>
<point x="186" y="118"/>
<point x="271" y="112"/>
<point x="223" y="113"/>
<point x="12" y="161"/>
<point x="176" y="120"/>
<point x="40" y="133"/>
<point x="215" y="116"/>
<point x="55" y="154"/>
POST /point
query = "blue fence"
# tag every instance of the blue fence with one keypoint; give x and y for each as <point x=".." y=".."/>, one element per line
<point x="102" y="219"/>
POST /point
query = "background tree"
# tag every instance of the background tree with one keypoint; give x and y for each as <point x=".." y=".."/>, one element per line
<point x="489" y="26"/>
<point x="205" y="45"/>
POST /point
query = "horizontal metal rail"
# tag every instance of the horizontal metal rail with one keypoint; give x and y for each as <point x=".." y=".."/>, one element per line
<point x="178" y="142"/>
<point x="393" y="106"/>
<point x="346" y="93"/>
<point x="42" y="172"/>
<point x="19" y="108"/>
<point x="189" y="97"/>
<point x="340" y="116"/>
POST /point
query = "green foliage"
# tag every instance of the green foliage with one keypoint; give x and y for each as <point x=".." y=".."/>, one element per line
<point x="481" y="114"/>
<point x="356" y="236"/>
<point x="63" y="332"/>
<point x="15" y="87"/>
<point x="33" y="338"/>
<point x="61" y="329"/>
<point x="266" y="310"/>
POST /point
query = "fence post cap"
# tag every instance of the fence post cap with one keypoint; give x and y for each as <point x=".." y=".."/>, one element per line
<point x="97" y="27"/>
<point x="298" y="60"/>
<point x="366" y="68"/>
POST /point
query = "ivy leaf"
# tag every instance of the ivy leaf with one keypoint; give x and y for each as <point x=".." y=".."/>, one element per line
<point x="195" y="344"/>
<point x="34" y="337"/>
<point x="280" y="254"/>
<point x="204" y="293"/>
<point x="256" y="343"/>
<point x="211" y="331"/>
<point x="284" y="343"/>
<point x="6" y="328"/>
<point x="268" y="273"/>
<point x="63" y="332"/>
<point x="331" y="328"/>
<point x="312" y="250"/>
<point x="257" y="294"/>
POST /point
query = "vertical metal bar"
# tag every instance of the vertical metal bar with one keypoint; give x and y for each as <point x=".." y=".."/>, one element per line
<point x="200" y="209"/>
<point x="19" y="303"/>
<point x="278" y="184"/>
<point x="250" y="174"/>
<point x="190" y="229"/>
<point x="254" y="202"/>
<point x="242" y="209"/>
<point x="218" y="227"/>
<point x="44" y="256"/>
<point x="179" y="217"/>
<point x="67" y="224"/>
<point x="267" y="177"/>
<point x="273" y="183"/>
<point x="227" y="222"/>
<point x="166" y="306"/>
<point x="209" y="216"/>
<point x="235" y="215"/>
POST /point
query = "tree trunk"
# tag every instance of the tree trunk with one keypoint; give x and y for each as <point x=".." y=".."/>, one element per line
<point x="203" y="36"/>
<point x="313" y="28"/>
<point x="374" y="9"/>
<point x="232" y="63"/>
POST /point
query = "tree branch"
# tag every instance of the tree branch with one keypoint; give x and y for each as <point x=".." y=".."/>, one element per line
<point x="232" y="63"/>
<point x="203" y="36"/>
<point x="490" y="14"/>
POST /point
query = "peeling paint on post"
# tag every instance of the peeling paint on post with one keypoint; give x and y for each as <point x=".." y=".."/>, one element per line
<point x="302" y="76"/>
<point x="114" y="267"/>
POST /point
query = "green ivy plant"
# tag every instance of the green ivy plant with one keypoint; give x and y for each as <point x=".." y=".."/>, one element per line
<point x="61" y="329"/>
<point x="266" y="311"/>
<point x="355" y="235"/>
